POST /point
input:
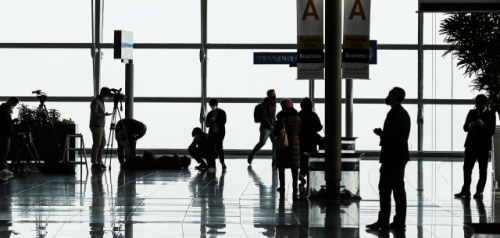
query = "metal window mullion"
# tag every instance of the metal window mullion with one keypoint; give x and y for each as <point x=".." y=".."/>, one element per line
<point x="203" y="60"/>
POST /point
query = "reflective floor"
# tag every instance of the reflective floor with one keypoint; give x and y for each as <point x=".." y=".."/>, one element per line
<point x="239" y="202"/>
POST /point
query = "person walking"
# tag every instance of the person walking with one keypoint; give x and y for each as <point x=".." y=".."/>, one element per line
<point x="267" y="124"/>
<point x="308" y="138"/>
<point x="394" y="155"/>
<point x="480" y="126"/>
<point x="288" y="157"/>
<point x="202" y="147"/>
<point x="6" y="132"/>
<point x="216" y="122"/>
<point x="98" y="116"/>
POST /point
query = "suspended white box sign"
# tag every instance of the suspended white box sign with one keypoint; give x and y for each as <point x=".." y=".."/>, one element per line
<point x="459" y="5"/>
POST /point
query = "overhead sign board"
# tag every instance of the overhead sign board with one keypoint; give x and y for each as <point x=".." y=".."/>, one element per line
<point x="459" y="5"/>
<point x="356" y="45"/>
<point x="310" y="61"/>
<point x="123" y="45"/>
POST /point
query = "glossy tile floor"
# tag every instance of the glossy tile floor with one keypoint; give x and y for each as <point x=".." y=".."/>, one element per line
<point x="239" y="202"/>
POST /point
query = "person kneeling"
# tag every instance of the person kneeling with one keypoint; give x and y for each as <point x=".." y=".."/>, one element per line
<point x="202" y="147"/>
<point x="128" y="131"/>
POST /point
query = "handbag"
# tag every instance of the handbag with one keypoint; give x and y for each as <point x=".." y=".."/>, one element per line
<point x="282" y="140"/>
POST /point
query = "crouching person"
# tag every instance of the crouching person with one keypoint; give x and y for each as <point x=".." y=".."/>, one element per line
<point x="202" y="147"/>
<point x="128" y="132"/>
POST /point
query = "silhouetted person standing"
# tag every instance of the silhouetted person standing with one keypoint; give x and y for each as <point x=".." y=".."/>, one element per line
<point x="480" y="126"/>
<point x="216" y="121"/>
<point x="393" y="156"/>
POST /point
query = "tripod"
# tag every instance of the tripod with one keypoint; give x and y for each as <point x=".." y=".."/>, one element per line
<point x="112" y="130"/>
<point x="25" y="145"/>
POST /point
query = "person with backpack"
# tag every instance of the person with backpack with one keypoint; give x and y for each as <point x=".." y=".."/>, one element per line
<point x="216" y="121"/>
<point x="265" y="113"/>
<point x="288" y="156"/>
<point x="202" y="147"/>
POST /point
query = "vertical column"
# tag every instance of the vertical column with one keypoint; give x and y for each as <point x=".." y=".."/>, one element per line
<point x="129" y="89"/>
<point x="420" y="116"/>
<point x="333" y="103"/>
<point x="349" y="102"/>
<point x="203" y="61"/>
<point x="96" y="53"/>
<point x="311" y="93"/>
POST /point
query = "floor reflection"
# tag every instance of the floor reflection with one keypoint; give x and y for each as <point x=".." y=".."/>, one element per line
<point x="239" y="202"/>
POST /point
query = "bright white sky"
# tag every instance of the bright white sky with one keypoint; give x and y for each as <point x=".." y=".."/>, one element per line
<point x="231" y="73"/>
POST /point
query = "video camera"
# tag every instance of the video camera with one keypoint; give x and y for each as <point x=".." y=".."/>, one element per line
<point x="40" y="95"/>
<point x="25" y="137"/>
<point x="116" y="94"/>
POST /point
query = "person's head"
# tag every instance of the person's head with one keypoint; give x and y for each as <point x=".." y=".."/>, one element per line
<point x="105" y="92"/>
<point x="271" y="94"/>
<point x="481" y="101"/>
<point x="306" y="104"/>
<point x="214" y="104"/>
<point x="196" y="131"/>
<point x="286" y="103"/>
<point x="12" y="102"/>
<point x="396" y="96"/>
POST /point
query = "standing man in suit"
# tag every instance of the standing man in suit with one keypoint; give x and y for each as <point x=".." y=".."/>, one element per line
<point x="393" y="156"/>
<point x="480" y="126"/>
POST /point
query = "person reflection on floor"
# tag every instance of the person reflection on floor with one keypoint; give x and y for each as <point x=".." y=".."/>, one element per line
<point x="97" y="208"/>
<point x="483" y="217"/>
<point x="267" y="202"/>
<point x="5" y="208"/>
<point x="125" y="197"/>
<point x="396" y="233"/>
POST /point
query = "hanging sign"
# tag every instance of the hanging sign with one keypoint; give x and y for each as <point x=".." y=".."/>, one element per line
<point x="356" y="50"/>
<point x="459" y="5"/>
<point x="310" y="57"/>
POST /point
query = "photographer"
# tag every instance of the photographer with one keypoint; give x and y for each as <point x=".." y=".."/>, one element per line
<point x="6" y="132"/>
<point x="97" y="122"/>
<point x="128" y="131"/>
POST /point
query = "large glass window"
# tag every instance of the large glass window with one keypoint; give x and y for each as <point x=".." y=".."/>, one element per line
<point x="57" y="72"/>
<point x="47" y="21"/>
<point x="157" y="73"/>
<point x="231" y="73"/>
<point x="154" y="21"/>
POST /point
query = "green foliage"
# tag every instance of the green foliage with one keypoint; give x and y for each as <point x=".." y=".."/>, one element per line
<point x="36" y="115"/>
<point x="475" y="41"/>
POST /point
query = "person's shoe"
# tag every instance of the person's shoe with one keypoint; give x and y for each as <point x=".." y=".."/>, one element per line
<point x="377" y="226"/>
<point x="273" y="164"/>
<point x="249" y="160"/>
<point x="478" y="195"/>
<point x="211" y="169"/>
<point x="102" y="166"/>
<point x="397" y="226"/>
<point x="6" y="172"/>
<point x="224" y="167"/>
<point x="281" y="189"/>
<point x="462" y="194"/>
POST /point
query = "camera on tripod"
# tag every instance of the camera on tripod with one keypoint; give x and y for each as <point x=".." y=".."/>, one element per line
<point x="40" y="95"/>
<point x="24" y="137"/>
<point x="117" y="94"/>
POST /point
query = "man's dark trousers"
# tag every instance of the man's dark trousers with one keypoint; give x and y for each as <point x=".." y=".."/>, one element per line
<point x="471" y="155"/>
<point x="392" y="181"/>
<point x="198" y="155"/>
<point x="218" y="140"/>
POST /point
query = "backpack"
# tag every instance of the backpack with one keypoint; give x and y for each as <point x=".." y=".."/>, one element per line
<point x="167" y="162"/>
<point x="257" y="113"/>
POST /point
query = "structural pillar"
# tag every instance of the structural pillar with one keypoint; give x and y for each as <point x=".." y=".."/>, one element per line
<point x="349" y="102"/>
<point x="420" y="116"/>
<point x="311" y="93"/>
<point x="203" y="61"/>
<point x="129" y="89"/>
<point x="96" y="47"/>
<point x="333" y="94"/>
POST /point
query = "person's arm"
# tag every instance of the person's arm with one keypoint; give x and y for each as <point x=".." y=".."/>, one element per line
<point x="490" y="125"/>
<point x="221" y="117"/>
<point x="468" y="121"/>
<point x="390" y="131"/>
<point x="94" y="110"/>
<point x="279" y="126"/>
<point x="193" y="144"/>
<point x="300" y="125"/>
<point x="317" y="123"/>
<point x="264" y="117"/>
<point x="207" y="120"/>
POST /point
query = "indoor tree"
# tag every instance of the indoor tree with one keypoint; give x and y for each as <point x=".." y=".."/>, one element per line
<point x="475" y="41"/>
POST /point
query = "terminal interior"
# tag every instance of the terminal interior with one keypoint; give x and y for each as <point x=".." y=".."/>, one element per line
<point x="65" y="49"/>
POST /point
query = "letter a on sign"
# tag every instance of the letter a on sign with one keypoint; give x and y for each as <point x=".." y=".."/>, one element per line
<point x="354" y="12"/>
<point x="314" y="13"/>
